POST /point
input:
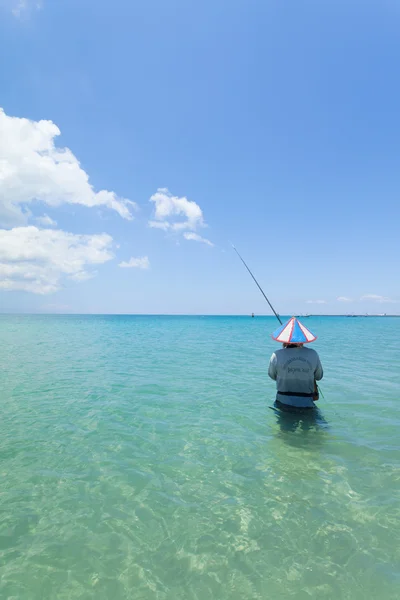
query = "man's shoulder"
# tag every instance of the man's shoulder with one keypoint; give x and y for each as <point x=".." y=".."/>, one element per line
<point x="310" y="351"/>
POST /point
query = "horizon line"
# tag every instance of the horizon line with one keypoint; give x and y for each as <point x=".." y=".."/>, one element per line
<point x="250" y="315"/>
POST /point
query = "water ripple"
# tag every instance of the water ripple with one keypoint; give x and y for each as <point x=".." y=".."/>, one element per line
<point x="139" y="459"/>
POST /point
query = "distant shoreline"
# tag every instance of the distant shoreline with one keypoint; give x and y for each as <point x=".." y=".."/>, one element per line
<point x="78" y="314"/>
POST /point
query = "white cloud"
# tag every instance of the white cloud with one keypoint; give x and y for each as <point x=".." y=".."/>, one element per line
<point x="174" y="213"/>
<point x="197" y="238"/>
<point x="344" y="299"/>
<point x="21" y="8"/>
<point x="46" y="221"/>
<point x="36" y="260"/>
<point x="379" y="299"/>
<point x="316" y="302"/>
<point x="159" y="225"/>
<point x="138" y="263"/>
<point x="32" y="169"/>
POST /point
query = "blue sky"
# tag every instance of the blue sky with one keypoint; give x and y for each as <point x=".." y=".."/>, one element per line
<point x="280" y="121"/>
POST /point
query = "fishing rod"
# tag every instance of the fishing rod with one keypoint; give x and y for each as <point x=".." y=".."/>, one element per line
<point x="258" y="285"/>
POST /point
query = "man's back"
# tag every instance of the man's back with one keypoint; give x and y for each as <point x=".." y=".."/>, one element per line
<point x="294" y="369"/>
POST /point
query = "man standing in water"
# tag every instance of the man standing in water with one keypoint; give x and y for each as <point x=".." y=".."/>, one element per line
<point x="295" y="368"/>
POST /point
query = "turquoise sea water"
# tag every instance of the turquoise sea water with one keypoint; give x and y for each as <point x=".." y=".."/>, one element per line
<point x="139" y="459"/>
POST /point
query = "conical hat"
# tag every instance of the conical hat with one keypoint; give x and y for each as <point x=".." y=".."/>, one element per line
<point x="293" y="332"/>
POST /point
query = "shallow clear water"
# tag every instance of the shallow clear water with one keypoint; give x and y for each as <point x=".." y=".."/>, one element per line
<point x="139" y="458"/>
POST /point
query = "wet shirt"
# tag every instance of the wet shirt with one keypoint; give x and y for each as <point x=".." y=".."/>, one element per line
<point x="294" y="370"/>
